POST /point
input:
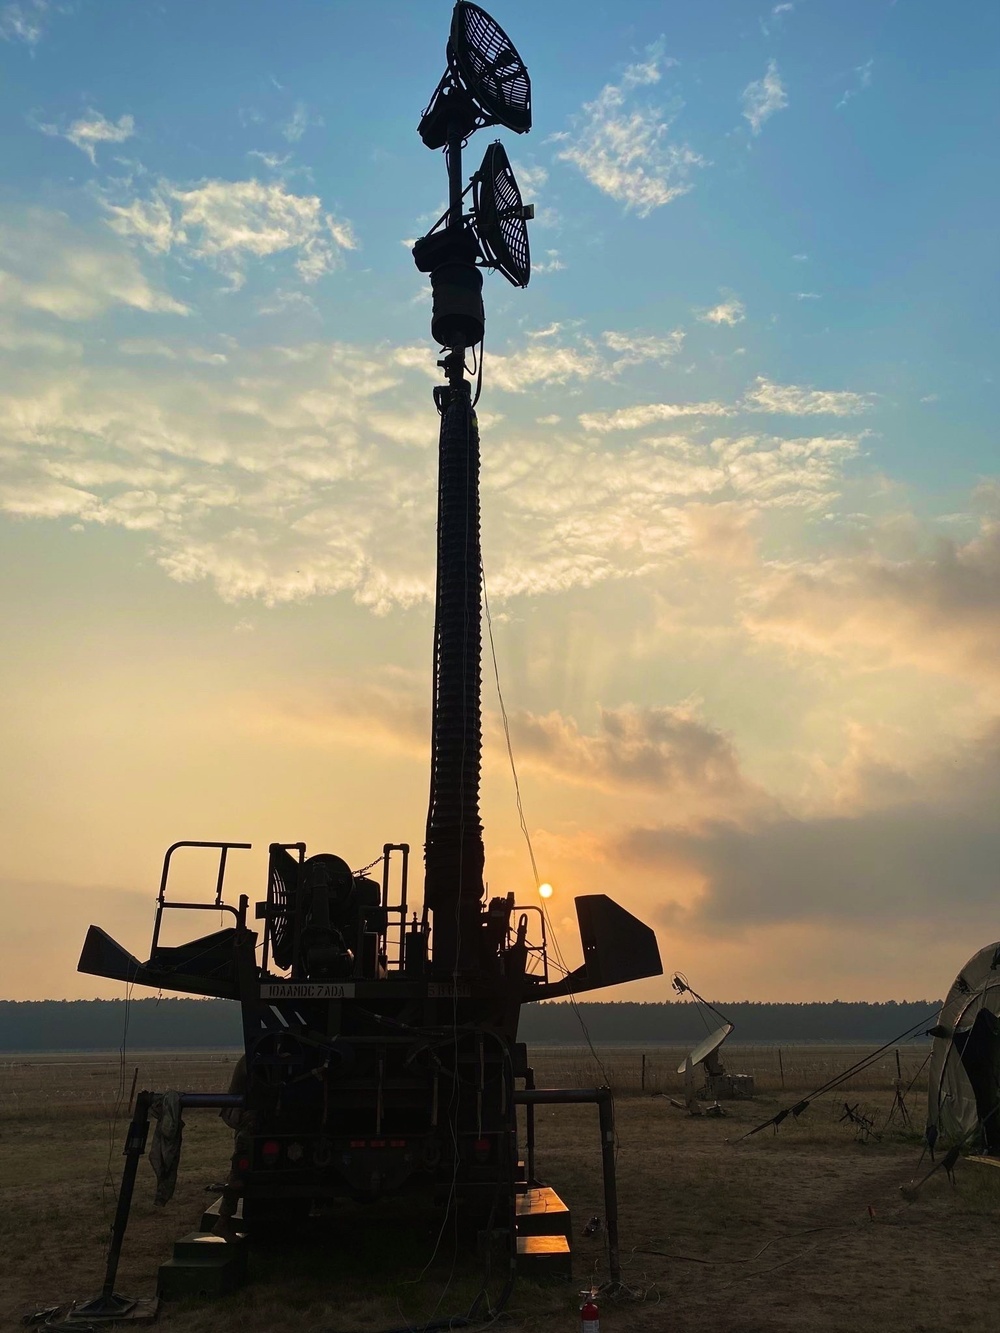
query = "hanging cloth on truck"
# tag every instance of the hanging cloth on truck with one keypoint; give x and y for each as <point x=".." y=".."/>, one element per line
<point x="165" y="1153"/>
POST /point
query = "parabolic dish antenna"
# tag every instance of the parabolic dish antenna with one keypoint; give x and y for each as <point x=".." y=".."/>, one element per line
<point x="707" y="1048"/>
<point x="483" y="58"/>
<point x="501" y="217"/>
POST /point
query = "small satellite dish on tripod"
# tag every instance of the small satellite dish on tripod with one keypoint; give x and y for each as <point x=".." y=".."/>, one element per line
<point x="707" y="1052"/>
<point x="718" y="1084"/>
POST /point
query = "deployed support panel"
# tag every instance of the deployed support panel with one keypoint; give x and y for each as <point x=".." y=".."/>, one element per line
<point x="369" y="1068"/>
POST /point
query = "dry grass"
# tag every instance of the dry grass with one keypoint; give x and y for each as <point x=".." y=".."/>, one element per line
<point x="769" y="1234"/>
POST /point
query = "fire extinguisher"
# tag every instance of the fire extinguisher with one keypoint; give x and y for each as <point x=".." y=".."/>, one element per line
<point x="590" y="1316"/>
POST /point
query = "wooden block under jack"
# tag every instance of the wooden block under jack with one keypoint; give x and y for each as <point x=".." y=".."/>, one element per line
<point x="544" y="1256"/>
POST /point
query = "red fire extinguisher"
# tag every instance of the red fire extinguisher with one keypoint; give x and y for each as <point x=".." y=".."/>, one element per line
<point x="590" y="1316"/>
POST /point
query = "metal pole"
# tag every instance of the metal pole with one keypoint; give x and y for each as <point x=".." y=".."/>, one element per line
<point x="109" y="1303"/>
<point x="529" y="1129"/>
<point x="454" y="177"/>
<point x="606" y="1110"/>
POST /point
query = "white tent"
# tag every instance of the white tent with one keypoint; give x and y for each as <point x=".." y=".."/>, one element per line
<point x="963" y="1096"/>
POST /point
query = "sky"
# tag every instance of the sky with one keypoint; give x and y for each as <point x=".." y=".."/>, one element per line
<point x="740" y="477"/>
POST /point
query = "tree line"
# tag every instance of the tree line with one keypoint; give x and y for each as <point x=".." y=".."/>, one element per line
<point x="175" y="1024"/>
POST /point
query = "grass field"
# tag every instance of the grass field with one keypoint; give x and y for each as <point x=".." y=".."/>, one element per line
<point x="771" y="1233"/>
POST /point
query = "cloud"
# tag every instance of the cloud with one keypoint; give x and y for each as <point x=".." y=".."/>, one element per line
<point x="666" y="752"/>
<point x="634" y="348"/>
<point x="300" y="120"/>
<point x="93" y="128"/>
<point x="862" y="80"/>
<point x="47" y="265"/>
<point x="763" y="97"/>
<point x="152" y="347"/>
<point x="268" y="475"/>
<point x="918" y="844"/>
<point x="25" y="21"/>
<point x="228" y="222"/>
<point x="622" y="147"/>
<point x="551" y="264"/>
<point x="728" y="312"/>
<point x="520" y="371"/>
<point x="635" y="418"/>
<point x="939" y="611"/>
<point x="530" y="178"/>
<point x="793" y="400"/>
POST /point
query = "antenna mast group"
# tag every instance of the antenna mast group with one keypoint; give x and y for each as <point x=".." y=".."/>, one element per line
<point x="485" y="83"/>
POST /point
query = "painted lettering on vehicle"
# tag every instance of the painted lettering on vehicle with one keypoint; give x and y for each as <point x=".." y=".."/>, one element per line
<point x="307" y="990"/>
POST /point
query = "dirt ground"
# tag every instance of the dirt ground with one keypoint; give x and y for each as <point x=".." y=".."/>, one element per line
<point x="802" y="1229"/>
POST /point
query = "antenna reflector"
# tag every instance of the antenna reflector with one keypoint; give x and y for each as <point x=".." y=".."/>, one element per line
<point x="707" y="1048"/>
<point x="501" y="216"/>
<point x="483" y="57"/>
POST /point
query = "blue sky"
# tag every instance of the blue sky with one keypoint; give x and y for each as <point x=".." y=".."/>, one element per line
<point x="741" y="494"/>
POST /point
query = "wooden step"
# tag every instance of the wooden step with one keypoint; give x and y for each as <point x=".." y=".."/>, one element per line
<point x="541" y="1212"/>
<point x="204" y="1267"/>
<point x="544" y="1256"/>
<point x="201" y="1247"/>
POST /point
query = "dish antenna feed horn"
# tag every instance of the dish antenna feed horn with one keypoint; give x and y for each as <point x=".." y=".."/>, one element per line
<point x="485" y="83"/>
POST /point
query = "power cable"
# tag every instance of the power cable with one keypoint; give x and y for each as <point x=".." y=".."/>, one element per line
<point x="859" y="1065"/>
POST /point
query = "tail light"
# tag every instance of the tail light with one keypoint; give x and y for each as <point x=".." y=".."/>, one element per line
<point x="481" y="1150"/>
<point x="270" y="1151"/>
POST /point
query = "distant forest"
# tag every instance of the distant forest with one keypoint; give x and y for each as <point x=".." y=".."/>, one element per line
<point x="98" y="1025"/>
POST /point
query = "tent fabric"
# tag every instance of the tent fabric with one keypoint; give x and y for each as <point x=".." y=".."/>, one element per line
<point x="963" y="1093"/>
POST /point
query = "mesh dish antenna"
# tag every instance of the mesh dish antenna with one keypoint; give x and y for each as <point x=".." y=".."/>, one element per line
<point x="501" y="217"/>
<point x="482" y="57"/>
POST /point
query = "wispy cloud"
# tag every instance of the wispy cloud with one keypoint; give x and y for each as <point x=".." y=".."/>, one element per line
<point x="636" y="418"/>
<point x="763" y="97"/>
<point x="938" y="610"/>
<point x="729" y="312"/>
<point x="227" y="222"/>
<point x="300" y="120"/>
<point x="268" y="474"/>
<point x="92" y="129"/>
<point x="634" y="348"/>
<point x="621" y="145"/>
<point x="48" y="265"/>
<point x="24" y="21"/>
<point x="862" y="80"/>
<point x="668" y="752"/>
<point x="794" y="400"/>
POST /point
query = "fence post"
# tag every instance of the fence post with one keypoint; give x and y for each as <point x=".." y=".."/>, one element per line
<point x="643" y="1075"/>
<point x="781" y="1069"/>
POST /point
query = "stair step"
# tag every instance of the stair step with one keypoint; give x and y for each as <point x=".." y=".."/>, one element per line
<point x="185" y="1277"/>
<point x="541" y="1212"/>
<point x="201" y="1247"/>
<point x="544" y="1256"/>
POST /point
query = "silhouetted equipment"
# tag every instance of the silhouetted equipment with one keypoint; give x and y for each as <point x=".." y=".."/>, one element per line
<point x="380" y="1042"/>
<point x="500" y="216"/>
<point x="964" y="1078"/>
<point x="486" y="83"/>
<point x="719" y="1085"/>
